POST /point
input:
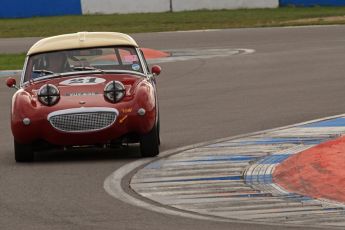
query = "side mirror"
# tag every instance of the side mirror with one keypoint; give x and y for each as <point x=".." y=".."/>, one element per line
<point x="156" y="69"/>
<point x="11" y="82"/>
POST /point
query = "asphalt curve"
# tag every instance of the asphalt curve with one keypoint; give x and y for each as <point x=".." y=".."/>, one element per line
<point x="295" y="75"/>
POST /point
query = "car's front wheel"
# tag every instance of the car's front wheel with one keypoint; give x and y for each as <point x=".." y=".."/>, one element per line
<point x="23" y="152"/>
<point x="149" y="143"/>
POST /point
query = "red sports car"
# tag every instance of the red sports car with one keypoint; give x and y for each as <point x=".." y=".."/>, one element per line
<point x="85" y="89"/>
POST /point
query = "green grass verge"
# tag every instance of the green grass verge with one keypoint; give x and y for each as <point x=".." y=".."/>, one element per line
<point x="11" y="61"/>
<point x="153" y="22"/>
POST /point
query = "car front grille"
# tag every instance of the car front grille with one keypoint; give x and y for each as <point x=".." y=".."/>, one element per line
<point x="82" y="121"/>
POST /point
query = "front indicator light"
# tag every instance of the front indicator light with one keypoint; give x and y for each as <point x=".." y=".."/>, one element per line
<point x="141" y="111"/>
<point x="26" y="121"/>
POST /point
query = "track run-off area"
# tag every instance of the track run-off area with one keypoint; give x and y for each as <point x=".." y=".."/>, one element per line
<point x="294" y="75"/>
<point x="236" y="179"/>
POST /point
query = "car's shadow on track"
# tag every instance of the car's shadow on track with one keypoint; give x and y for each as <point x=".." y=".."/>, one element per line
<point x="88" y="154"/>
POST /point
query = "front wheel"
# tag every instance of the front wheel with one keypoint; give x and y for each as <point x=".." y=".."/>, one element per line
<point x="23" y="152"/>
<point x="149" y="143"/>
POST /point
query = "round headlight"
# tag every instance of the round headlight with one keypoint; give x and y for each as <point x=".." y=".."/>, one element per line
<point x="48" y="94"/>
<point x="114" y="91"/>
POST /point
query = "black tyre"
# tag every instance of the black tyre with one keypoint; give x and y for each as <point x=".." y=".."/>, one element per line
<point x="23" y="152"/>
<point x="149" y="143"/>
<point x="158" y="133"/>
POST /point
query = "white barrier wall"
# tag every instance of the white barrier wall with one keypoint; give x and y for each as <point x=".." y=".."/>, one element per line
<point x="124" y="6"/>
<point x="183" y="5"/>
<point x="144" y="6"/>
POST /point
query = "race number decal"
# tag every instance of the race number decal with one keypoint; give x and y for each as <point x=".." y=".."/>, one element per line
<point x="83" y="81"/>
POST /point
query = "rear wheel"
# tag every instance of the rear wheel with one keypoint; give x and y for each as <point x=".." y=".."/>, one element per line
<point x="149" y="143"/>
<point x="23" y="152"/>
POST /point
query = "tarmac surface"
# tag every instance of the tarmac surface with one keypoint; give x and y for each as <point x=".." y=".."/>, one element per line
<point x="295" y="75"/>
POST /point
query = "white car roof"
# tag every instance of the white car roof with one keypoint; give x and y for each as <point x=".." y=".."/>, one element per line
<point x="81" y="40"/>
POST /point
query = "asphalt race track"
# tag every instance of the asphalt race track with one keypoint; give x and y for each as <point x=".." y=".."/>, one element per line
<point x="295" y="75"/>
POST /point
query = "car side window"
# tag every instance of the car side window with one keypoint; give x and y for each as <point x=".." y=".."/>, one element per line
<point x="34" y="63"/>
<point x="129" y="58"/>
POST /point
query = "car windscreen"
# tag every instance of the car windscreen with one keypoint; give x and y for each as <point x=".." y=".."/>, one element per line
<point x="58" y="62"/>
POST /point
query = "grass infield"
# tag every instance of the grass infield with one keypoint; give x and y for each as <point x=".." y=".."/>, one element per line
<point x="11" y="61"/>
<point x="156" y="22"/>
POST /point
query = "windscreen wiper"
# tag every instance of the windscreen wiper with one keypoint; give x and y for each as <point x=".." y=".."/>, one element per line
<point x="47" y="74"/>
<point x="90" y="68"/>
<point x="44" y="71"/>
